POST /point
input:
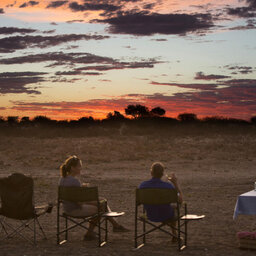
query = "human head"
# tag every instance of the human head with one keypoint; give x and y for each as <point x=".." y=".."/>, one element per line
<point x="157" y="170"/>
<point x="72" y="166"/>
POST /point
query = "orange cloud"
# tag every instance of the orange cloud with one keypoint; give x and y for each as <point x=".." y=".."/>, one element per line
<point x="62" y="13"/>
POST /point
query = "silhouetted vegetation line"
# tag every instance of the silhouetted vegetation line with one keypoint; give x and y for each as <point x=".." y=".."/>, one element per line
<point x="141" y="121"/>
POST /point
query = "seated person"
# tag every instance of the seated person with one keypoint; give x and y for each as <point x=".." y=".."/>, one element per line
<point x="162" y="213"/>
<point x="69" y="171"/>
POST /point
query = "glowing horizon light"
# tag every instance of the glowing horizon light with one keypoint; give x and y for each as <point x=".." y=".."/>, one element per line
<point x="88" y="59"/>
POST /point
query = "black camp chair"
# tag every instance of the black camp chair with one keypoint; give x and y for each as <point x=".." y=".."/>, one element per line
<point x="161" y="196"/>
<point x="82" y="195"/>
<point x="16" y="192"/>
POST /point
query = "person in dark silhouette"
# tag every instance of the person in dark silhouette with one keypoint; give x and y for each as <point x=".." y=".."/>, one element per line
<point x="69" y="170"/>
<point x="162" y="213"/>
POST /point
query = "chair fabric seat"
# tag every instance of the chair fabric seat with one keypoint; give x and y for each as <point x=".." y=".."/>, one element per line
<point x="105" y="214"/>
<point x="65" y="214"/>
<point x="145" y="217"/>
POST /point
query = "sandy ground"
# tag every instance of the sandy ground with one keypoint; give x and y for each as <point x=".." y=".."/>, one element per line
<point x="212" y="171"/>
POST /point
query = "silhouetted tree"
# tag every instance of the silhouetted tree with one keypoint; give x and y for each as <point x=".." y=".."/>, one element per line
<point x="12" y="120"/>
<point x="25" y="119"/>
<point x="253" y="119"/>
<point x="215" y="119"/>
<point x="43" y="120"/>
<point x="62" y="122"/>
<point x="137" y="111"/>
<point x="2" y="119"/>
<point x="157" y="111"/>
<point x="115" y="116"/>
<point x="237" y="121"/>
<point x="85" y="120"/>
<point x="187" y="117"/>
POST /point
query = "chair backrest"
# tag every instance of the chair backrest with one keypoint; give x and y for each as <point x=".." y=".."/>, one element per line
<point x="16" y="193"/>
<point x="77" y="194"/>
<point x="156" y="196"/>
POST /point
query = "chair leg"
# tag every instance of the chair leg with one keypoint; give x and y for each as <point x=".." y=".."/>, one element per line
<point x="29" y="224"/>
<point x="186" y="226"/>
<point x="106" y="229"/>
<point x="144" y="228"/>
<point x="38" y="223"/>
<point x="99" y="231"/>
<point x="3" y="227"/>
<point x="58" y="224"/>
<point x="136" y="229"/>
<point x="136" y="236"/>
<point x="66" y="226"/>
<point x="18" y="230"/>
<point x="186" y="233"/>
<point x="58" y="231"/>
<point x="106" y="223"/>
<point x="179" y="238"/>
<point x="34" y="230"/>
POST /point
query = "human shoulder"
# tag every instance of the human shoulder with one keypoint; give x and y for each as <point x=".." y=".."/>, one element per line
<point x="165" y="184"/>
<point x="144" y="184"/>
<point x="69" y="181"/>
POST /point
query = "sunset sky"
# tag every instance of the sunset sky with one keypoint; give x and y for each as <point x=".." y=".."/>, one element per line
<point x="73" y="58"/>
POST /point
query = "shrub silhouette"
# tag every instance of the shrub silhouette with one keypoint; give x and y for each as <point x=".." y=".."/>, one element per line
<point x="25" y="120"/>
<point x="43" y="120"/>
<point x="143" y="121"/>
<point x="12" y="120"/>
<point x="85" y="120"/>
<point x="137" y="111"/>
<point x="187" y="117"/>
<point x="115" y="116"/>
<point x="157" y="111"/>
<point x="223" y="120"/>
<point x="253" y="119"/>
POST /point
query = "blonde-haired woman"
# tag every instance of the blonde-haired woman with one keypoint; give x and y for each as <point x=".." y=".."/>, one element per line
<point x="69" y="171"/>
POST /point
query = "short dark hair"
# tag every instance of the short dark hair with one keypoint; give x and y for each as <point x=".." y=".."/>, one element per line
<point x="157" y="170"/>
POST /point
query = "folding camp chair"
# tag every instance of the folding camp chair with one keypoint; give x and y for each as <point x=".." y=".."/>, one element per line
<point x="16" y="192"/>
<point x="161" y="196"/>
<point x="82" y="195"/>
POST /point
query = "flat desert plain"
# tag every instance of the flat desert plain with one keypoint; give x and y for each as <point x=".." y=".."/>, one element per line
<point x="212" y="171"/>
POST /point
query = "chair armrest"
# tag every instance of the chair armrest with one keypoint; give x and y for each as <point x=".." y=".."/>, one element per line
<point x="44" y="209"/>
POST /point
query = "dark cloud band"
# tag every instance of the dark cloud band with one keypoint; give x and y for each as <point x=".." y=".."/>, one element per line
<point x="74" y="6"/>
<point x="56" y="4"/>
<point x="60" y="58"/>
<point x="202" y="76"/>
<point x="240" y="69"/>
<point x="11" y="44"/>
<point x="30" y="3"/>
<point x="12" y="30"/>
<point x="150" y="24"/>
<point x="244" y="12"/>
<point x="16" y="82"/>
